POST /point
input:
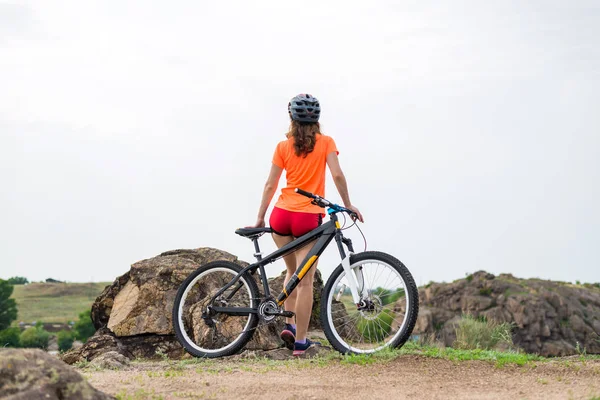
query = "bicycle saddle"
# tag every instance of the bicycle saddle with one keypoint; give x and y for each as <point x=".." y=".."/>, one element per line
<point x="252" y="232"/>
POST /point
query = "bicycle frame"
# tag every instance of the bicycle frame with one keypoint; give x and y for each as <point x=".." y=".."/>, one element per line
<point x="324" y="235"/>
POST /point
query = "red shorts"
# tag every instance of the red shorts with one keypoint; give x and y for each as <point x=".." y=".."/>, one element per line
<point x="286" y="223"/>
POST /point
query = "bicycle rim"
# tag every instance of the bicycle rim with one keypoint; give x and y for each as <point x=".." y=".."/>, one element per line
<point x="380" y="325"/>
<point x="227" y="331"/>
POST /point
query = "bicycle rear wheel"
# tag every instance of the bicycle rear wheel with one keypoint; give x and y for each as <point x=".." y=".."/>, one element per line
<point x="389" y="309"/>
<point x="221" y="334"/>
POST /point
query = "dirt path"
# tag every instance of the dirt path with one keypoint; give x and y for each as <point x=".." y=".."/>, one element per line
<point x="407" y="377"/>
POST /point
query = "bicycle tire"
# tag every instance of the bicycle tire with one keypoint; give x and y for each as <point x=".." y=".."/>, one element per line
<point x="177" y="313"/>
<point x="411" y="313"/>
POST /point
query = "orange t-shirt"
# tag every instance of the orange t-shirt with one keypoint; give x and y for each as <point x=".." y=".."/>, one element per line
<point x="303" y="173"/>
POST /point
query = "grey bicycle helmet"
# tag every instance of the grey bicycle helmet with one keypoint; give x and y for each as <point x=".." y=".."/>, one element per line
<point x="304" y="108"/>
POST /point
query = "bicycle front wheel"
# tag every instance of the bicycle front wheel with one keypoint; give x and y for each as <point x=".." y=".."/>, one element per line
<point x="217" y="335"/>
<point x="387" y="312"/>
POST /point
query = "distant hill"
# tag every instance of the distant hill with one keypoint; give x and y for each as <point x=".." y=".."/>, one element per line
<point x="54" y="302"/>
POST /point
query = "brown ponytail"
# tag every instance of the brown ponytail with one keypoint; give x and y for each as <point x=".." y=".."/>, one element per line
<point x="305" y="136"/>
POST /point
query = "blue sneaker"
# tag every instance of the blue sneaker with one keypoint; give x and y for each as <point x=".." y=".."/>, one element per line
<point x="288" y="335"/>
<point x="300" y="349"/>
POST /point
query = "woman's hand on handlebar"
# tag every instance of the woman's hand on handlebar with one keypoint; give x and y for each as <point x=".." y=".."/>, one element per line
<point x="358" y="214"/>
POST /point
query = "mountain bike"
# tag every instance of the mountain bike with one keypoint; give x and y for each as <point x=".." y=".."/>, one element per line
<point x="369" y="303"/>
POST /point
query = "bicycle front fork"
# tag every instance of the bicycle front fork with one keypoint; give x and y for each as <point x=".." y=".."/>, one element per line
<point x="353" y="275"/>
<point x="355" y="279"/>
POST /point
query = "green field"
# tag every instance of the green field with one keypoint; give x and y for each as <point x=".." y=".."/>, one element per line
<point x="54" y="302"/>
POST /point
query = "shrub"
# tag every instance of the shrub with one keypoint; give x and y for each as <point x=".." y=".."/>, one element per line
<point x="65" y="340"/>
<point x="485" y="291"/>
<point x="378" y="328"/>
<point x="84" y="327"/>
<point x="472" y="333"/>
<point x="8" y="306"/>
<point x="35" y="337"/>
<point x="18" y="280"/>
<point x="10" y="337"/>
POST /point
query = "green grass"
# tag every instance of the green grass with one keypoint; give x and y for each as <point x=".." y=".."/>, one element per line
<point x="54" y="302"/>
<point x="476" y="333"/>
<point x="499" y="358"/>
<point x="170" y="369"/>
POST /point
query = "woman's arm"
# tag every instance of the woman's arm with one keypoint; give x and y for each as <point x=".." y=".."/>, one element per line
<point x="340" y="182"/>
<point x="268" y="192"/>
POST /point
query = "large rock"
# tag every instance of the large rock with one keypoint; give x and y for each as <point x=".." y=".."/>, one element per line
<point x="549" y="318"/>
<point x="133" y="315"/>
<point x="141" y="300"/>
<point x="31" y="374"/>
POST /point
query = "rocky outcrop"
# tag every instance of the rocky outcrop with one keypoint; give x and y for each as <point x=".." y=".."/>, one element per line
<point x="133" y="315"/>
<point x="140" y="301"/>
<point x="139" y="346"/>
<point x="30" y="374"/>
<point x="550" y="318"/>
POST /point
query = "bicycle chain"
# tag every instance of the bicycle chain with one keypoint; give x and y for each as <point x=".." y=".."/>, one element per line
<point x="261" y="321"/>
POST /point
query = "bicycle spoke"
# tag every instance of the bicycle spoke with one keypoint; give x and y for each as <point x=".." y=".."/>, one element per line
<point x="382" y="312"/>
<point x="220" y="330"/>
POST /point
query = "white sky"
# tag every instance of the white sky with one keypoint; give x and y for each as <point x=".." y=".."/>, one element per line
<point x="469" y="131"/>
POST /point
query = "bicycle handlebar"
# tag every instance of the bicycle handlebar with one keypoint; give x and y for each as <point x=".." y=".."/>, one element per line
<point x="321" y="202"/>
<point x="318" y="200"/>
<point x="305" y="193"/>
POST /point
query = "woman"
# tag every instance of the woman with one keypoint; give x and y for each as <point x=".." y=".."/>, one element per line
<point x="303" y="155"/>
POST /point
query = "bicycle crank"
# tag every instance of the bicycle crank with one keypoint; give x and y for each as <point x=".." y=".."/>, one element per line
<point x="269" y="310"/>
<point x="280" y="313"/>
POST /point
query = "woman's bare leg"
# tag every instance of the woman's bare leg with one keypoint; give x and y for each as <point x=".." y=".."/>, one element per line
<point x="290" y="263"/>
<point x="304" y="301"/>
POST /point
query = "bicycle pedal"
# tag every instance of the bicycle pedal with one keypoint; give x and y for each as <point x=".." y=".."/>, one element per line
<point x="282" y="313"/>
